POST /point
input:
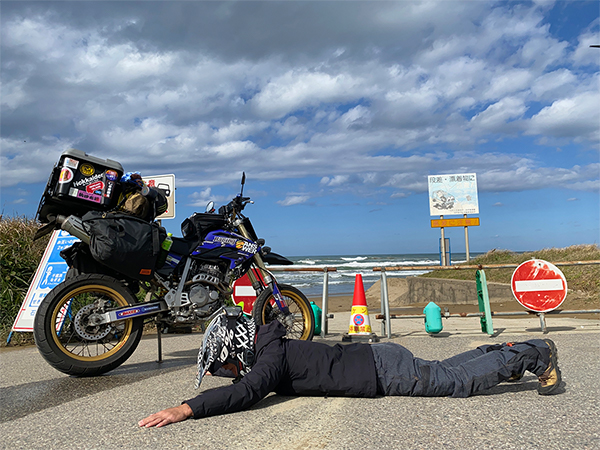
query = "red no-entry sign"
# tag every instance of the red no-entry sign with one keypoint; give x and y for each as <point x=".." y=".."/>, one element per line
<point x="539" y="285"/>
<point x="244" y="294"/>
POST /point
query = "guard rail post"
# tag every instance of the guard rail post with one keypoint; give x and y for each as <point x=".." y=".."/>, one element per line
<point x="324" y="302"/>
<point x="382" y="305"/>
<point x="386" y="325"/>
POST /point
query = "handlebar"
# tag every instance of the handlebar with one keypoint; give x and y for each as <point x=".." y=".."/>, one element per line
<point x="235" y="206"/>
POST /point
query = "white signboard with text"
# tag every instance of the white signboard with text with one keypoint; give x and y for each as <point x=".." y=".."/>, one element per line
<point x="453" y="194"/>
<point x="51" y="271"/>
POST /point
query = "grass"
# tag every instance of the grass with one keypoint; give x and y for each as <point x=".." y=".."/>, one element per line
<point x="19" y="259"/>
<point x="584" y="280"/>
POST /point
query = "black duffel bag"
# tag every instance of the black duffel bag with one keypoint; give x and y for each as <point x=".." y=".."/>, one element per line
<point x="124" y="243"/>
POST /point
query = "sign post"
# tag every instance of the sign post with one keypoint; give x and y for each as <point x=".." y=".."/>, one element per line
<point x="539" y="286"/>
<point x="450" y="195"/>
<point x="443" y="245"/>
<point x="467" y="240"/>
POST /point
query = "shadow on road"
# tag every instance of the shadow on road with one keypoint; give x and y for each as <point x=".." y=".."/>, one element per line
<point x="22" y="400"/>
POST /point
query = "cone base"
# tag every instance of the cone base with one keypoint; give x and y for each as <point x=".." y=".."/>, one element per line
<point x="354" y="337"/>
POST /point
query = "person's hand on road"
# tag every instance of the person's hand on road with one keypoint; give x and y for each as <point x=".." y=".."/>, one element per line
<point x="167" y="416"/>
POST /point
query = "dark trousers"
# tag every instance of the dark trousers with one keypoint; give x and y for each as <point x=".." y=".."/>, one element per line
<point x="399" y="372"/>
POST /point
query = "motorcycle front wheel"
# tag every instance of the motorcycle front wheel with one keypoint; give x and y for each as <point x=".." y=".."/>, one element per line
<point x="300" y="324"/>
<point x="66" y="336"/>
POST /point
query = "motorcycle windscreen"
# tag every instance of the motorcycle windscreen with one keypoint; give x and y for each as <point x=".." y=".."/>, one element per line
<point x="276" y="260"/>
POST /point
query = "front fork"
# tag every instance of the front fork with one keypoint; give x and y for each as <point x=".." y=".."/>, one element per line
<point x="267" y="278"/>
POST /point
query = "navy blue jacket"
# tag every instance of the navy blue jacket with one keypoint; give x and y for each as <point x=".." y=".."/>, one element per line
<point x="293" y="367"/>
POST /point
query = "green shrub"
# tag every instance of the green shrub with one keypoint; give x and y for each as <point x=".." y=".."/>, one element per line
<point x="19" y="259"/>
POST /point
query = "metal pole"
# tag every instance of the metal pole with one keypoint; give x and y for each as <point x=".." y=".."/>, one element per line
<point x="384" y="315"/>
<point x="482" y="314"/>
<point x="467" y="241"/>
<point x="324" y="302"/>
<point x="543" y="322"/>
<point x="443" y="244"/>
<point x="386" y="303"/>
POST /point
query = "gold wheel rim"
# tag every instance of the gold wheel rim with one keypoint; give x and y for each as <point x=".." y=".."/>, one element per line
<point x="98" y="289"/>
<point x="296" y="300"/>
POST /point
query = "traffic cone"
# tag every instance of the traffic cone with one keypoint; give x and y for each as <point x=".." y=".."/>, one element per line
<point x="360" y="325"/>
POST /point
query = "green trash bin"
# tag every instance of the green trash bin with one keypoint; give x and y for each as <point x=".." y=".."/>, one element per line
<point x="433" y="318"/>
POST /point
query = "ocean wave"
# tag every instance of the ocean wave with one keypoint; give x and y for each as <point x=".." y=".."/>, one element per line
<point x="355" y="258"/>
<point x="306" y="261"/>
<point x="352" y="265"/>
<point x="343" y="279"/>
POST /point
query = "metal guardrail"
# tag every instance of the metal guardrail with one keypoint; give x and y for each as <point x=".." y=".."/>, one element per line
<point x="479" y="266"/>
<point x="485" y="315"/>
<point x="325" y="316"/>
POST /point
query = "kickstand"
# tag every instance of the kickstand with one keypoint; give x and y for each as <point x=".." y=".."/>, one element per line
<point x="159" y="333"/>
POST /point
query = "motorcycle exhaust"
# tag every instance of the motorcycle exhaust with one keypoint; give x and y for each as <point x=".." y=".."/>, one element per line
<point x="74" y="226"/>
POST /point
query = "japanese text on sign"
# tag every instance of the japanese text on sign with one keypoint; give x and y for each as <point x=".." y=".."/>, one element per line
<point x="453" y="194"/>
<point x="51" y="271"/>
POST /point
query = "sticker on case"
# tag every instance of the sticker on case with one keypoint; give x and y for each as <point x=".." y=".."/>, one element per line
<point x="66" y="175"/>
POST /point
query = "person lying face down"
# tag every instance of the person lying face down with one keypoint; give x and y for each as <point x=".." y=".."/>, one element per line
<point x="263" y="361"/>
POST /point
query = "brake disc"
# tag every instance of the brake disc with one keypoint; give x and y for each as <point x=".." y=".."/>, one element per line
<point x="85" y="329"/>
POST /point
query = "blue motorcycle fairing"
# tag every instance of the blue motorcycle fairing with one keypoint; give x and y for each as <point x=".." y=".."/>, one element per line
<point x="226" y="245"/>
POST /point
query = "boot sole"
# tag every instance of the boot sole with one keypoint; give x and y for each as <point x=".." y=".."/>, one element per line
<point x="554" y="362"/>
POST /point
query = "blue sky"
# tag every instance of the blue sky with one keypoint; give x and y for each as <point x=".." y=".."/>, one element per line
<point x="336" y="111"/>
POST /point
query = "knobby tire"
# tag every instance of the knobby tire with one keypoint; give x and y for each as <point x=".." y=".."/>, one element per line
<point x="265" y="311"/>
<point x="69" y="343"/>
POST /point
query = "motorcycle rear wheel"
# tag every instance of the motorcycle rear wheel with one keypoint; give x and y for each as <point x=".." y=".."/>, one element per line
<point x="73" y="345"/>
<point x="265" y="311"/>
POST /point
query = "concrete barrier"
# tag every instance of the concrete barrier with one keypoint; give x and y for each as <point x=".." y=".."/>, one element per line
<point x="406" y="291"/>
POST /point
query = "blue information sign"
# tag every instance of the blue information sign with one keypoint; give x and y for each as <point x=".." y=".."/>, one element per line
<point x="51" y="271"/>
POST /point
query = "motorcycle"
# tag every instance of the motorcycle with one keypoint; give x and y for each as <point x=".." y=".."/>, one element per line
<point x="93" y="321"/>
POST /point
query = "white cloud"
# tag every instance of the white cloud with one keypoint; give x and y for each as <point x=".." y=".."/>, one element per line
<point x="28" y="162"/>
<point x="201" y="198"/>
<point x="552" y="82"/>
<point x="299" y="89"/>
<point x="584" y="55"/>
<point x="509" y="82"/>
<point x="379" y="98"/>
<point x="496" y="117"/>
<point x="337" y="180"/>
<point x="291" y="200"/>
<point x="576" y="117"/>
<point x="14" y="95"/>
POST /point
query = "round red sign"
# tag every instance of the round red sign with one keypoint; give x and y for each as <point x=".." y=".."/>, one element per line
<point x="538" y="285"/>
<point x="244" y="294"/>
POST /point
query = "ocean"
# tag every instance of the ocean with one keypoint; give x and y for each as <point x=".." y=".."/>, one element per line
<point x="341" y="282"/>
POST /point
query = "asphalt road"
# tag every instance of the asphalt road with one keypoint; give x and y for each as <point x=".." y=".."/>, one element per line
<point x="42" y="408"/>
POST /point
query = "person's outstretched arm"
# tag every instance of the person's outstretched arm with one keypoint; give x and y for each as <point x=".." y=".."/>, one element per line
<point x="167" y="416"/>
<point x="262" y="379"/>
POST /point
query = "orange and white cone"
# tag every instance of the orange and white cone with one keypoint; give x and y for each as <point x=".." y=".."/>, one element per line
<point x="360" y="324"/>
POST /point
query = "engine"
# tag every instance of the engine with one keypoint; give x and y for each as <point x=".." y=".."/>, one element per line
<point x="204" y="292"/>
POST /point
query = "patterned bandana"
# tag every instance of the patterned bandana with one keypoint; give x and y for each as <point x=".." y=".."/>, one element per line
<point x="228" y="339"/>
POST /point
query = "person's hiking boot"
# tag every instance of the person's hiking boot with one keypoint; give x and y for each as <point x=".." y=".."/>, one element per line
<point x="550" y="380"/>
<point x="516" y="377"/>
